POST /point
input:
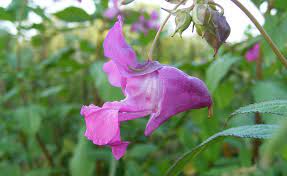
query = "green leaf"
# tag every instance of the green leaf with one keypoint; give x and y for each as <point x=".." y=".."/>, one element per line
<point x="73" y="14"/>
<point x="251" y="131"/>
<point x="10" y="169"/>
<point x="51" y="91"/>
<point x="29" y="118"/>
<point x="280" y="4"/>
<point x="10" y="94"/>
<point x="81" y="162"/>
<point x="275" y="145"/>
<point x="269" y="90"/>
<point x="279" y="23"/>
<point x="5" y="15"/>
<point x="61" y="54"/>
<point x="278" y="107"/>
<point x="217" y="70"/>
<point x="18" y="9"/>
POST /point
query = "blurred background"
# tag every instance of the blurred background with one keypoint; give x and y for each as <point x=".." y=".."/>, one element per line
<point x="51" y="59"/>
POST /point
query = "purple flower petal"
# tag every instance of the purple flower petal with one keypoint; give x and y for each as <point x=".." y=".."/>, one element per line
<point x="101" y="124"/>
<point x="116" y="48"/>
<point x="253" y="53"/>
<point x="119" y="149"/>
<point x="180" y="93"/>
<point x="114" y="76"/>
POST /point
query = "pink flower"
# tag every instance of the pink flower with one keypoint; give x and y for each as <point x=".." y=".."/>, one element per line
<point x="113" y="11"/>
<point x="253" y="53"/>
<point x="150" y="89"/>
<point x="161" y="91"/>
<point x="144" y="25"/>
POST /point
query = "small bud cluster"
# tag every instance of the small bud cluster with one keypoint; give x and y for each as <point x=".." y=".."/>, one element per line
<point x="210" y="23"/>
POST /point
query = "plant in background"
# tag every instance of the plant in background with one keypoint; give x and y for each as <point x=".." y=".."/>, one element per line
<point x="253" y="53"/>
<point x="144" y="25"/>
<point x="113" y="11"/>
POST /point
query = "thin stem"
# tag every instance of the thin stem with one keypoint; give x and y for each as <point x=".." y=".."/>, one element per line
<point x="275" y="49"/>
<point x="258" y="119"/>
<point x="44" y="149"/>
<point x="160" y="30"/>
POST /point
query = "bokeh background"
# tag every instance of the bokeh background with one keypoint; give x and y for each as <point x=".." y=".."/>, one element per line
<point x="51" y="59"/>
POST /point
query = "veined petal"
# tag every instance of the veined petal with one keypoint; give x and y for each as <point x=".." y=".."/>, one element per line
<point x="102" y="124"/>
<point x="114" y="76"/>
<point x="119" y="149"/>
<point x="116" y="48"/>
<point x="180" y="93"/>
<point x="124" y="57"/>
<point x="142" y="93"/>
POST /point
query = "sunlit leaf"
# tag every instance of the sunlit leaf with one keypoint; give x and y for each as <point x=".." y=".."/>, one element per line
<point x="73" y="14"/>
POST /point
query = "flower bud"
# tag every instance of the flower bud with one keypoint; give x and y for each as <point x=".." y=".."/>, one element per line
<point x="182" y="20"/>
<point x="220" y="31"/>
<point x="201" y="14"/>
<point x="211" y="25"/>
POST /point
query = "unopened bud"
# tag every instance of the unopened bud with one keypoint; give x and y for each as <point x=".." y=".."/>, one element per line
<point x="182" y="20"/>
<point x="219" y="33"/>
<point x="211" y="24"/>
<point x="201" y="14"/>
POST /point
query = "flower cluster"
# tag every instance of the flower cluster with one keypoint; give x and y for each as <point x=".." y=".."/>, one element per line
<point x="113" y="11"/>
<point x="144" y="25"/>
<point x="150" y="88"/>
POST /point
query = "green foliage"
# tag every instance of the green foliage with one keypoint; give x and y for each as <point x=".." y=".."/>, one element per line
<point x="73" y="14"/>
<point x="82" y="163"/>
<point x="29" y="118"/>
<point x="51" y="68"/>
<point x="278" y="107"/>
<point x="269" y="90"/>
<point x="218" y="69"/>
<point x="252" y="131"/>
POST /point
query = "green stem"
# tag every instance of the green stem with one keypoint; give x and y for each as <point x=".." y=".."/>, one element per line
<point x="160" y="30"/>
<point x="275" y="49"/>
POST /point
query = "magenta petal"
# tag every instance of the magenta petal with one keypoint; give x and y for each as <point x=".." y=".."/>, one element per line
<point x="119" y="149"/>
<point x="125" y="116"/>
<point x="110" y="68"/>
<point x="180" y="93"/>
<point x="116" y="48"/>
<point x="142" y="93"/>
<point x="111" y="12"/>
<point x="101" y="124"/>
<point x="253" y="53"/>
<point x="86" y="110"/>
